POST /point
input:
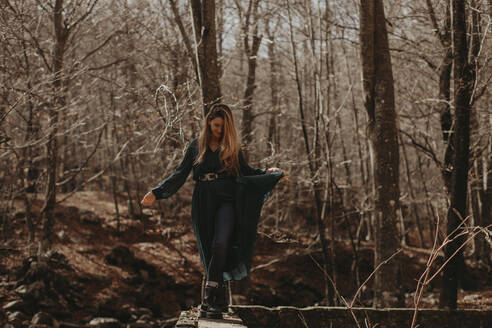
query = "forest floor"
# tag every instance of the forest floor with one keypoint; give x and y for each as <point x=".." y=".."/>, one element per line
<point x="148" y="264"/>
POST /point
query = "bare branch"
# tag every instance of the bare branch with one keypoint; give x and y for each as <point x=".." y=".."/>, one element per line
<point x="433" y="19"/>
<point x="81" y="18"/>
<point x="426" y="150"/>
<point x="90" y="53"/>
<point x="117" y="61"/>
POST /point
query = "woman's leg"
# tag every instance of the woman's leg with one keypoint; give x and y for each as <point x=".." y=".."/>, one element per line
<point x="224" y="225"/>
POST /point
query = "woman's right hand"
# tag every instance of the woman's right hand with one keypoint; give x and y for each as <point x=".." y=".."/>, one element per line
<point x="148" y="199"/>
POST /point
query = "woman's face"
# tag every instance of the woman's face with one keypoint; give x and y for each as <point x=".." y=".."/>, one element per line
<point x="217" y="127"/>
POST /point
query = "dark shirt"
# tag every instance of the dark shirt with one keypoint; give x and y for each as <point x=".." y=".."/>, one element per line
<point x="225" y="186"/>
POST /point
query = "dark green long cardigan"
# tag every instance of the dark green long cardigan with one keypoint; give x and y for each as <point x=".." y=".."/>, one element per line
<point x="249" y="191"/>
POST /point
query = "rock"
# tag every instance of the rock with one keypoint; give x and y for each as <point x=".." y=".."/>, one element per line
<point x="139" y="324"/>
<point x="72" y="210"/>
<point x="63" y="302"/>
<point x="59" y="261"/>
<point x="112" y="308"/>
<point x="472" y="297"/>
<point x="61" y="234"/>
<point x="120" y="255"/>
<point x="105" y="323"/>
<point x="144" y="311"/>
<point x="21" y="290"/>
<point x="389" y="298"/>
<point x="144" y="293"/>
<point x="167" y="323"/>
<point x="14" y="306"/>
<point x="19" y="215"/>
<point x="125" y="313"/>
<point x="430" y="298"/>
<point x="145" y="318"/>
<point x="133" y="279"/>
<point x="71" y="325"/>
<point x="123" y="257"/>
<point x="48" y="303"/>
<point x="43" y="318"/>
<point x="35" y="291"/>
<point x="16" y="318"/>
<point x="144" y="274"/>
<point x="89" y="217"/>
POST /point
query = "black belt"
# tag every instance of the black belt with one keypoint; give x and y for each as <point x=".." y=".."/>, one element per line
<point x="212" y="176"/>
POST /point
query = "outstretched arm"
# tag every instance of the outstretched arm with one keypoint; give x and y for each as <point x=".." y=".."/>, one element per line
<point x="246" y="169"/>
<point x="169" y="186"/>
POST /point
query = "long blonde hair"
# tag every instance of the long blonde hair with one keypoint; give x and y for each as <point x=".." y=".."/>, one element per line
<point x="228" y="147"/>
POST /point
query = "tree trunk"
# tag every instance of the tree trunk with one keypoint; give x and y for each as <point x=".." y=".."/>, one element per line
<point x="483" y="247"/>
<point x="380" y="106"/>
<point x="481" y="186"/>
<point x="431" y="211"/>
<point x="251" y="48"/>
<point x="463" y="81"/>
<point x="273" y="133"/>
<point x="61" y="35"/>
<point x="444" y="105"/>
<point x="445" y="114"/>
<point x="182" y="30"/>
<point x="203" y="13"/>
<point x="413" y="197"/>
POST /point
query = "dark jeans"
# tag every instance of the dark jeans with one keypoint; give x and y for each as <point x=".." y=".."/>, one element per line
<point x="224" y="225"/>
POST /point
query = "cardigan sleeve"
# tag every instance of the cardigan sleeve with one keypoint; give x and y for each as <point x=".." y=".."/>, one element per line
<point x="169" y="186"/>
<point x="246" y="169"/>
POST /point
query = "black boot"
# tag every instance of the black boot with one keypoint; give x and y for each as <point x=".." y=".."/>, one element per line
<point x="209" y="308"/>
<point x="222" y="299"/>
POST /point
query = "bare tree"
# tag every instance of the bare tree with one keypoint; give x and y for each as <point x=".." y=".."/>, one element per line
<point x="380" y="106"/>
<point x="273" y="132"/>
<point x="464" y="77"/>
<point x="444" y="71"/>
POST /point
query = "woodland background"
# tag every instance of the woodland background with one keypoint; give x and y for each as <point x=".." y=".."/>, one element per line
<point x="98" y="99"/>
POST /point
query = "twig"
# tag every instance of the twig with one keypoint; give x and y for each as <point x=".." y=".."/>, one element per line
<point x="372" y="274"/>
<point x="424" y="279"/>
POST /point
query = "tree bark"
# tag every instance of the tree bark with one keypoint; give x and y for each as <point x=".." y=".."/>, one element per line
<point x="182" y="30"/>
<point x="444" y="105"/>
<point x="273" y="132"/>
<point x="463" y="81"/>
<point x="481" y="184"/>
<point x="413" y="197"/>
<point x="431" y="211"/>
<point x="251" y="48"/>
<point x="203" y="13"/>
<point x="380" y="105"/>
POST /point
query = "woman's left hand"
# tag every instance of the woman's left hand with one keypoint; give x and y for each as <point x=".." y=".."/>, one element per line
<point x="276" y="169"/>
<point x="273" y="169"/>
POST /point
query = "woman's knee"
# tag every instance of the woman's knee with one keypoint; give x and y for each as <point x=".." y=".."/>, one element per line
<point x="226" y="211"/>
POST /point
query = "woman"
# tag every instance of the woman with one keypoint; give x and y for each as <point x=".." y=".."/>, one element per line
<point x="227" y="200"/>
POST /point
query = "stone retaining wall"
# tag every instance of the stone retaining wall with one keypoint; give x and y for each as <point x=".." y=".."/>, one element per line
<point x="320" y="317"/>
